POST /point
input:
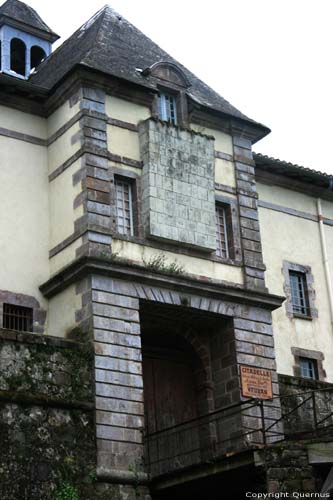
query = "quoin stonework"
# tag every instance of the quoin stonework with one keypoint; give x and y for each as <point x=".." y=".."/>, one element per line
<point x="157" y="273"/>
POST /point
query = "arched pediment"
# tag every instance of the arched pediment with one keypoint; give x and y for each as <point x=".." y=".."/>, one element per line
<point x="168" y="72"/>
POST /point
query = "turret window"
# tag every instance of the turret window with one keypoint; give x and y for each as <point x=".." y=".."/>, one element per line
<point x="37" y="55"/>
<point x="18" y="52"/>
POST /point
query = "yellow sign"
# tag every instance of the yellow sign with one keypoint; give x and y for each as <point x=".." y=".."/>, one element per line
<point x="256" y="382"/>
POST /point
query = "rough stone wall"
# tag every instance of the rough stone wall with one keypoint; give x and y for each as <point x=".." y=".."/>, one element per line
<point x="46" y="417"/>
<point x="178" y="197"/>
<point x="47" y="423"/>
<point x="288" y="469"/>
<point x="296" y="391"/>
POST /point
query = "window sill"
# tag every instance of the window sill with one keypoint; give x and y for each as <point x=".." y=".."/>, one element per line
<point x="302" y="316"/>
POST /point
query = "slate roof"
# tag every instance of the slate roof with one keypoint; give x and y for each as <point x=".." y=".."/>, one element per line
<point x="293" y="171"/>
<point x="109" y="43"/>
<point x="23" y="13"/>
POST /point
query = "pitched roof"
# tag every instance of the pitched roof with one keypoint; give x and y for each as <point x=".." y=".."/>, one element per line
<point x="109" y="43"/>
<point x="23" y="13"/>
<point x="293" y="171"/>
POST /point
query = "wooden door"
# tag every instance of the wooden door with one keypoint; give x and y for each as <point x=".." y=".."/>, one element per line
<point x="170" y="400"/>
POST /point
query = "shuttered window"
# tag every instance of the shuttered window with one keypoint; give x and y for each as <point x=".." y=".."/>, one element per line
<point x="17" y="318"/>
<point x="308" y="368"/>
<point x="222" y="231"/>
<point x="299" y="293"/>
<point x="167" y="108"/>
<point x="124" y="207"/>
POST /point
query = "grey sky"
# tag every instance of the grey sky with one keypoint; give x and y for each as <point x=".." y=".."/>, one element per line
<point x="269" y="58"/>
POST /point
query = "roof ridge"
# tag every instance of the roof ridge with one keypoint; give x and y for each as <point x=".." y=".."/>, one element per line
<point x="84" y="27"/>
<point x="96" y="16"/>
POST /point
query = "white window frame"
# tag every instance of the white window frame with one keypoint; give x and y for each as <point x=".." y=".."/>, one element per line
<point x="308" y="368"/>
<point x="165" y="104"/>
<point x="123" y="182"/>
<point x="219" y="207"/>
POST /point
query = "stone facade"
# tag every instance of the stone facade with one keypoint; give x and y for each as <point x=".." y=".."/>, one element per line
<point x="254" y="266"/>
<point x="47" y="423"/>
<point x="178" y="198"/>
<point x="117" y="317"/>
<point x="46" y="416"/>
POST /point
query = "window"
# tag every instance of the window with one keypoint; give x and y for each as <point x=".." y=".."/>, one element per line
<point x="299" y="290"/>
<point x="308" y="363"/>
<point x="299" y="293"/>
<point x="223" y="231"/>
<point x="124" y="207"/>
<point x="167" y="108"/>
<point x="17" y="318"/>
<point x="18" y="56"/>
<point x="308" y="368"/>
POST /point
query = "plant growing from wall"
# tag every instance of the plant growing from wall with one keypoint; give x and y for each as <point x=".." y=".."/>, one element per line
<point x="66" y="490"/>
<point x="160" y="263"/>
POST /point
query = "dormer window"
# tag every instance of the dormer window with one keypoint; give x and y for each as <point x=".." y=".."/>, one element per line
<point x="167" y="108"/>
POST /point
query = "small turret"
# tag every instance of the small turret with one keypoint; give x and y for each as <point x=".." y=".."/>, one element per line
<point x="25" y="40"/>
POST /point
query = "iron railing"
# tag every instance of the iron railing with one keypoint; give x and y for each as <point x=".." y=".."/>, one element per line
<point x="251" y="423"/>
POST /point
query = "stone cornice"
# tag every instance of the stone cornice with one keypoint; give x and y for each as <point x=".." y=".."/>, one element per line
<point x="84" y="266"/>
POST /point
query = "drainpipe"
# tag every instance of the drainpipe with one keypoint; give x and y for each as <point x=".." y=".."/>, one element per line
<point x="325" y="258"/>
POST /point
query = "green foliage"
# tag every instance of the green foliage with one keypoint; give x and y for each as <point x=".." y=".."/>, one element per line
<point x="160" y="263"/>
<point x="108" y="256"/>
<point x="91" y="478"/>
<point x="66" y="491"/>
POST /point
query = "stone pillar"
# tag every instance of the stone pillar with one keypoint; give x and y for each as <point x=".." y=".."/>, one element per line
<point x="94" y="176"/>
<point x="119" y="382"/>
<point x="248" y="213"/>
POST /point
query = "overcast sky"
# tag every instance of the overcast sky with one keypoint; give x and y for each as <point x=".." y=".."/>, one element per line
<point x="272" y="59"/>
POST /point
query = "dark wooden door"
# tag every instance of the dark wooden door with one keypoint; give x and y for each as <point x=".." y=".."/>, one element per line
<point x="170" y="400"/>
<point x="169" y="392"/>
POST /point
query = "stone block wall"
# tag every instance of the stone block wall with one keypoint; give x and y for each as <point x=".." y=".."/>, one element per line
<point x="118" y="360"/>
<point x="247" y="195"/>
<point x="178" y="196"/>
<point x="46" y="417"/>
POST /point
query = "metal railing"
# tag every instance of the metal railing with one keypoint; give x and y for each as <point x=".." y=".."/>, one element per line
<point x="251" y="423"/>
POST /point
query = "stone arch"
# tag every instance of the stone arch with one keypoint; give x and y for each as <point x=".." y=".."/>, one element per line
<point x="18" y="56"/>
<point x="169" y="72"/>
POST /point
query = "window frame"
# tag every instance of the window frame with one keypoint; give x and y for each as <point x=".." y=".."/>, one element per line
<point x="311" y="369"/>
<point x="134" y="180"/>
<point x="227" y="239"/>
<point x="306" y="354"/>
<point x="118" y="180"/>
<point x="162" y="97"/>
<point x="311" y="312"/>
<point x="233" y="230"/>
<point x="13" y="314"/>
<point x="299" y="293"/>
<point x="26" y="301"/>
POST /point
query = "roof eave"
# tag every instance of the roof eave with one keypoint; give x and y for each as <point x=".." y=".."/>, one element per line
<point x="50" y="36"/>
